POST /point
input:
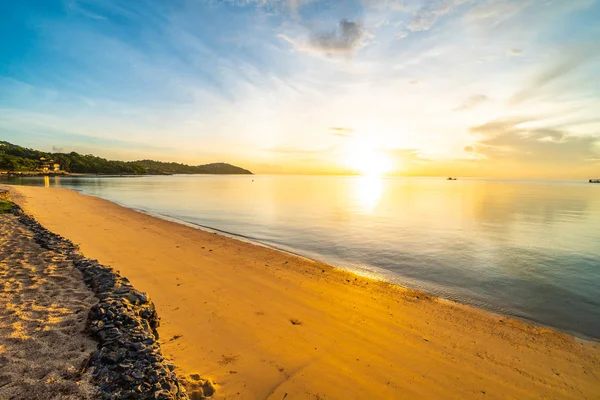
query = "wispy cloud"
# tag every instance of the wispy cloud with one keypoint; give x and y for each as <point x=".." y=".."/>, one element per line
<point x="429" y="14"/>
<point x="514" y="140"/>
<point x="76" y="7"/>
<point x="472" y="102"/>
<point x="408" y="156"/>
<point x="560" y="69"/>
<point x="341" y="132"/>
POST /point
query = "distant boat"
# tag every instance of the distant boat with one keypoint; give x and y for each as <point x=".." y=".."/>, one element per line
<point x="594" y="180"/>
<point x="451" y="179"/>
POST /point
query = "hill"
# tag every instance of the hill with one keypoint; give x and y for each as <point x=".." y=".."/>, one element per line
<point x="158" y="167"/>
<point x="15" y="158"/>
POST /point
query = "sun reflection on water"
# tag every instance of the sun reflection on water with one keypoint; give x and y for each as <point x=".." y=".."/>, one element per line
<point x="367" y="191"/>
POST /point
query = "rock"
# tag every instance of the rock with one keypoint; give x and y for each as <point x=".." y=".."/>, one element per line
<point x="137" y="374"/>
<point x="195" y="377"/>
<point x="136" y="346"/>
<point x="197" y="395"/>
<point x="112" y="358"/>
<point x="170" y="366"/>
<point x="208" y="389"/>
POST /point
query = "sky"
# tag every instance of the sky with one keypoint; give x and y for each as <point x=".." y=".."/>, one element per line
<point x="489" y="88"/>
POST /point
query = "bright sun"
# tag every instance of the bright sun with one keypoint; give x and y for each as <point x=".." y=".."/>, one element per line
<point x="367" y="159"/>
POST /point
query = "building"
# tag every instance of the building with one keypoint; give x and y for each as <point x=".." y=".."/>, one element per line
<point x="48" y="165"/>
<point x="44" y="165"/>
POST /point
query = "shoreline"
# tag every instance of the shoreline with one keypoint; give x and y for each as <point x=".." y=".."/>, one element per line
<point x="484" y="307"/>
<point x="562" y="305"/>
<point x="247" y="239"/>
<point x="497" y="311"/>
<point x="329" y="298"/>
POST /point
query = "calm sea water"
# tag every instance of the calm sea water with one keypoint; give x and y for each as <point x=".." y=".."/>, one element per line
<point x="530" y="249"/>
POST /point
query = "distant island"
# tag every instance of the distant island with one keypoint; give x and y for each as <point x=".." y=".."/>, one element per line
<point x="21" y="160"/>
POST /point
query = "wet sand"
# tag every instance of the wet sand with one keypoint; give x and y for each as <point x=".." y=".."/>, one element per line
<point x="267" y="325"/>
<point x="44" y="305"/>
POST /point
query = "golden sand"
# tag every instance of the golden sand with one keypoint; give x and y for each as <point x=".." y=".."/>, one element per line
<point x="267" y="325"/>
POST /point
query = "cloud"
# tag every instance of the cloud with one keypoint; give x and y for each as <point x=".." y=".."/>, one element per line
<point x="393" y="5"/>
<point x="408" y="156"/>
<point x="509" y="140"/>
<point x="341" y="131"/>
<point x="555" y="72"/>
<point x="346" y="39"/>
<point x="56" y="149"/>
<point x="472" y="102"/>
<point x="494" y="13"/>
<point x="515" y="52"/>
<point x="74" y="6"/>
<point x="428" y="15"/>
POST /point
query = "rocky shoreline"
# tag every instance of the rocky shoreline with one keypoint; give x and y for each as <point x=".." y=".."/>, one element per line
<point x="128" y="363"/>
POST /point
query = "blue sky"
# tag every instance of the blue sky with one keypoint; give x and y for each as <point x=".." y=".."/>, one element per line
<point x="418" y="87"/>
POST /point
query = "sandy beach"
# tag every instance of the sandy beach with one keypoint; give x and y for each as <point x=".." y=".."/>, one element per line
<point x="263" y="324"/>
<point x="44" y="305"/>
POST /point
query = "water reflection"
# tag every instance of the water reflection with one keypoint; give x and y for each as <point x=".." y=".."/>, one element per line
<point x="367" y="192"/>
<point x="46" y="181"/>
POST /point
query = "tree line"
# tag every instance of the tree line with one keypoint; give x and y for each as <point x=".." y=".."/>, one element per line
<point x="15" y="158"/>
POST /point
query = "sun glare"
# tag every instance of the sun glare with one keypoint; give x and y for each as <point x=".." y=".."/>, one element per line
<point x="367" y="191"/>
<point x="367" y="159"/>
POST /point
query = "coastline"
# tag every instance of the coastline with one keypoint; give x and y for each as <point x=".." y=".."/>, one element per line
<point x="370" y="338"/>
<point x="379" y="275"/>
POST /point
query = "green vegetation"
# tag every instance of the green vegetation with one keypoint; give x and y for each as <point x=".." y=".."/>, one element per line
<point x="15" y="158"/>
<point x="5" y="206"/>
<point x="157" y="167"/>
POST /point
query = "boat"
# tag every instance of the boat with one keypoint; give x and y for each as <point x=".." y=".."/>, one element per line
<point x="451" y="179"/>
<point x="594" y="180"/>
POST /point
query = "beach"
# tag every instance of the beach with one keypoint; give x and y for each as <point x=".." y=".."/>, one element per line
<point x="44" y="305"/>
<point x="263" y="324"/>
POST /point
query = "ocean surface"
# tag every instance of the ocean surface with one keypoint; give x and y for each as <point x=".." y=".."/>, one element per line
<point x="530" y="249"/>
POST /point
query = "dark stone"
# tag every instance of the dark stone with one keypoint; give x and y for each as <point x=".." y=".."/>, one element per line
<point x="208" y="389"/>
<point x="197" y="395"/>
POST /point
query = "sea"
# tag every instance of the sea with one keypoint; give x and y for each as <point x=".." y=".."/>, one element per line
<point x="525" y="248"/>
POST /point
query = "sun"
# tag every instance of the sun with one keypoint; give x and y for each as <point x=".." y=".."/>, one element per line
<point x="366" y="158"/>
